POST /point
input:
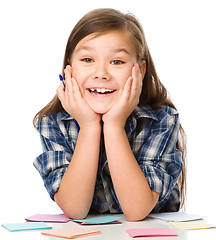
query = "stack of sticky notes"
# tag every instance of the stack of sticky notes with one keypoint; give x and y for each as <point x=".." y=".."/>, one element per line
<point x="70" y="232"/>
<point x="151" y="232"/>
<point x="53" y="218"/>
<point x="183" y="220"/>
<point x="25" y="226"/>
<point x="175" y="216"/>
<point x="193" y="225"/>
<point x="99" y="220"/>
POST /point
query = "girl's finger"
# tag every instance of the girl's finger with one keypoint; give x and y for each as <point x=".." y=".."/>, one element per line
<point x="135" y="75"/>
<point x="68" y="84"/>
<point x="137" y="83"/>
<point x="68" y="74"/>
<point x="76" y="89"/>
<point x="127" y="88"/>
<point x="60" y="92"/>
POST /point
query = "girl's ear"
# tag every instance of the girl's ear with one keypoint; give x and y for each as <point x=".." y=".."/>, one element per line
<point x="142" y="67"/>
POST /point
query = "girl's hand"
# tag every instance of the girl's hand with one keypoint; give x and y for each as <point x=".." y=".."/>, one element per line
<point x="73" y="102"/>
<point x="127" y="101"/>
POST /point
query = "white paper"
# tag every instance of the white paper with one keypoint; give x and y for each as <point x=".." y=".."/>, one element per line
<point x="175" y="216"/>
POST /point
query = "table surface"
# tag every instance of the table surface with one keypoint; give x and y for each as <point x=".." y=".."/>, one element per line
<point x="115" y="231"/>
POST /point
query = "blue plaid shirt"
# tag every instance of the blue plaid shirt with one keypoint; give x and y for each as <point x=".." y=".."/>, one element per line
<point x="152" y="135"/>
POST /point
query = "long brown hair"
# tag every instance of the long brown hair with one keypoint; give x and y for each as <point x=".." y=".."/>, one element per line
<point x="154" y="94"/>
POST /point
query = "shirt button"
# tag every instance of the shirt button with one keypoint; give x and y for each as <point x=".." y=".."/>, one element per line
<point x="115" y="206"/>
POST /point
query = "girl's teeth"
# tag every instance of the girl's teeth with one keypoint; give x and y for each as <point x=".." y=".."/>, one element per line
<point x="100" y="90"/>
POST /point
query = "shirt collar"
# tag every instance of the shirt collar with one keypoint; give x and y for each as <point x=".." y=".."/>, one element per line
<point x="66" y="116"/>
<point x="144" y="111"/>
<point x="141" y="111"/>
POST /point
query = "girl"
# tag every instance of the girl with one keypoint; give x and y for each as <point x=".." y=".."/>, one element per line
<point x="111" y="136"/>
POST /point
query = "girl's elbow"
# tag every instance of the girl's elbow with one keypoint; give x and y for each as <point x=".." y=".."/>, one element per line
<point x="135" y="214"/>
<point x="133" y="217"/>
<point x="75" y="215"/>
<point x="71" y="211"/>
<point x="138" y="213"/>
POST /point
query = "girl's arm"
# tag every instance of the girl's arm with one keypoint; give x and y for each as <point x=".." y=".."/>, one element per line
<point x="77" y="186"/>
<point x="132" y="189"/>
<point x="76" y="190"/>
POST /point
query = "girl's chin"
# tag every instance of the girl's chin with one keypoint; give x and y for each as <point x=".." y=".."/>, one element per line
<point x="100" y="109"/>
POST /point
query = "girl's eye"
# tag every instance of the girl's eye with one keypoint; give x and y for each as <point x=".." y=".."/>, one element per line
<point x="88" y="60"/>
<point x="117" y="62"/>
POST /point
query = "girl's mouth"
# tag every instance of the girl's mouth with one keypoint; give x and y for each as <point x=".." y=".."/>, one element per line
<point x="100" y="91"/>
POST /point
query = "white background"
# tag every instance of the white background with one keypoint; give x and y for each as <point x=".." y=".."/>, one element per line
<point x="181" y="36"/>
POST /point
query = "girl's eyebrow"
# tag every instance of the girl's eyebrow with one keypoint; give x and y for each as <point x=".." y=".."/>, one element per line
<point x="85" y="48"/>
<point x="117" y="50"/>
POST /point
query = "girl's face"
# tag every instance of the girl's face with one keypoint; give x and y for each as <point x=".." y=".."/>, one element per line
<point x="101" y="65"/>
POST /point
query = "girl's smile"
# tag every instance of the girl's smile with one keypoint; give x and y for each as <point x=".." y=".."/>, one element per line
<point x="102" y="91"/>
<point x="101" y="65"/>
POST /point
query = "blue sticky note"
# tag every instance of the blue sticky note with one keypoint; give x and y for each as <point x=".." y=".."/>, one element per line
<point x="99" y="220"/>
<point x="26" y="226"/>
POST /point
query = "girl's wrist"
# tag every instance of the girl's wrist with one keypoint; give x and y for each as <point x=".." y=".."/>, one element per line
<point x="91" y="128"/>
<point x="113" y="128"/>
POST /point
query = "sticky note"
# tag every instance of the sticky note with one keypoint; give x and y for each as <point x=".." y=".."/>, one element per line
<point x="70" y="232"/>
<point x="98" y="220"/>
<point x="56" y="218"/>
<point x="25" y="226"/>
<point x="191" y="225"/>
<point x="175" y="216"/>
<point x="152" y="232"/>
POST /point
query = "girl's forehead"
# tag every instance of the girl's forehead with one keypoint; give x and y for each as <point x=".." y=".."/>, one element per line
<point x="111" y="40"/>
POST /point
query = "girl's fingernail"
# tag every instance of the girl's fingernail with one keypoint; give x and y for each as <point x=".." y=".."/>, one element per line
<point x="136" y="67"/>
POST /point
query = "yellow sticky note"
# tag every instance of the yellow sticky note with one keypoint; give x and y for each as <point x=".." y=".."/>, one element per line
<point x="193" y="225"/>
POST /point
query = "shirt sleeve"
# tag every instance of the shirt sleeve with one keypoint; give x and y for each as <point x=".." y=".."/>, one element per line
<point x="56" y="156"/>
<point x="158" y="157"/>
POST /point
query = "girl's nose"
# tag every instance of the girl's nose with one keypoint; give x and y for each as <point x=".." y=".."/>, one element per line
<point x="101" y="72"/>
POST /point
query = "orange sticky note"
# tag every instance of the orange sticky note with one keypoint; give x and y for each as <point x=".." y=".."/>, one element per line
<point x="70" y="232"/>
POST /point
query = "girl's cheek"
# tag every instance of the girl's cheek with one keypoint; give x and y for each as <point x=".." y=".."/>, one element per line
<point x="77" y="71"/>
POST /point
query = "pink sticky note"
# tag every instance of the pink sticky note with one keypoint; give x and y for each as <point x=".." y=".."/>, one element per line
<point x="56" y="218"/>
<point x="71" y="232"/>
<point x="152" y="232"/>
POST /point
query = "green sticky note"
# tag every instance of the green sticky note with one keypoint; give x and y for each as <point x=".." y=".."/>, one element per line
<point x="12" y="227"/>
<point x="99" y="220"/>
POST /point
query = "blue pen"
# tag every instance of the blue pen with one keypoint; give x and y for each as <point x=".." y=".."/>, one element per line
<point x="62" y="80"/>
